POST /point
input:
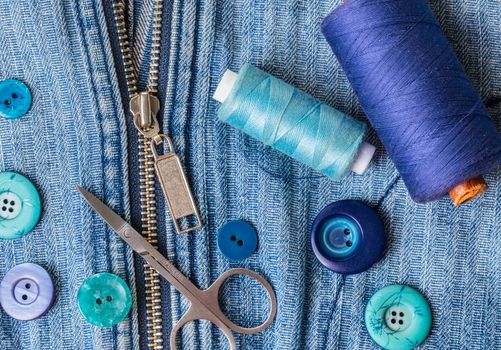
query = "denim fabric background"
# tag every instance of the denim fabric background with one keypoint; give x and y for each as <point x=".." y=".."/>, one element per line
<point x="76" y="133"/>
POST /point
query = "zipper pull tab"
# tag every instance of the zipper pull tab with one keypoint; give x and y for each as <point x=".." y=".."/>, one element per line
<point x="145" y="107"/>
<point x="175" y="185"/>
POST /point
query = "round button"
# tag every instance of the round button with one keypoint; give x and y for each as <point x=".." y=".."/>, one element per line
<point x="348" y="237"/>
<point x="237" y="240"/>
<point x="20" y="205"/>
<point x="15" y="99"/>
<point x="398" y="317"/>
<point x="104" y="299"/>
<point x="26" y="292"/>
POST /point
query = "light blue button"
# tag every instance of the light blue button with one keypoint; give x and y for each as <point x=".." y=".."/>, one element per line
<point x="15" y="99"/>
<point x="398" y="317"/>
<point x="339" y="236"/>
<point x="20" y="205"/>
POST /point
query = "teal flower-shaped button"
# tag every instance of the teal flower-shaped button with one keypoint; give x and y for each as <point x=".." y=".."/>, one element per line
<point x="104" y="299"/>
<point x="20" y="205"/>
<point x="15" y="99"/>
<point x="398" y="317"/>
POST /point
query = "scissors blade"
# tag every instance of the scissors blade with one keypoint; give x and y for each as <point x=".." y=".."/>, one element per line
<point x="141" y="246"/>
<point x="108" y="215"/>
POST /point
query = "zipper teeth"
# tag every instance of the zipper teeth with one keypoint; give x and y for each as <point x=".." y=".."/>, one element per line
<point x="147" y="179"/>
<point x="156" y="37"/>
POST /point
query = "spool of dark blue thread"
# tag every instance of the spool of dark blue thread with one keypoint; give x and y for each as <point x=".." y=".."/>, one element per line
<point x="415" y="92"/>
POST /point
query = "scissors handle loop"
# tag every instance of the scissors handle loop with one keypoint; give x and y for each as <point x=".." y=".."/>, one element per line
<point x="210" y="310"/>
<point x="196" y="313"/>
<point x="213" y="290"/>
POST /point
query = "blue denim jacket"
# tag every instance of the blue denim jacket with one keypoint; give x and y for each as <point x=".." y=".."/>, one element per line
<point x="78" y="132"/>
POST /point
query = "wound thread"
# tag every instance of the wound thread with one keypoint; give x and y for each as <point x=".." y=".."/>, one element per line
<point x="293" y="122"/>
<point x="415" y="93"/>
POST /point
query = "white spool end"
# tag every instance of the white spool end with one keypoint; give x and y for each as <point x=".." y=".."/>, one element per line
<point x="365" y="153"/>
<point x="225" y="86"/>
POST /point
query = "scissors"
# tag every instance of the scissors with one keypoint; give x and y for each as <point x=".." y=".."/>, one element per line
<point x="204" y="303"/>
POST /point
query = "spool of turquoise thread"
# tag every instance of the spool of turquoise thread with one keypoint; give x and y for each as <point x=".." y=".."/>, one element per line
<point x="293" y="122"/>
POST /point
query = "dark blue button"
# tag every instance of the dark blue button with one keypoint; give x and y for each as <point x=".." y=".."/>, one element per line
<point x="348" y="237"/>
<point x="15" y="99"/>
<point x="237" y="240"/>
<point x="26" y="292"/>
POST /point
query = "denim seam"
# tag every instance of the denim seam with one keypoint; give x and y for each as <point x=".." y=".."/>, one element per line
<point x="110" y="187"/>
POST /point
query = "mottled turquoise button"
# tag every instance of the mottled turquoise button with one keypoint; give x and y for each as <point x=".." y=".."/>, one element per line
<point x="398" y="317"/>
<point x="20" y="205"/>
<point x="104" y="299"/>
<point x="15" y="99"/>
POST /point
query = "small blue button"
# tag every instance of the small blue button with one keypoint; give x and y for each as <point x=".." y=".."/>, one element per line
<point x="398" y="317"/>
<point x="20" y="205"/>
<point x="26" y="292"/>
<point x="15" y="99"/>
<point x="348" y="237"/>
<point x="237" y="240"/>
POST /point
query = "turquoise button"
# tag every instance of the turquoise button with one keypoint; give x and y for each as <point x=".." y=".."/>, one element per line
<point x="398" y="317"/>
<point x="20" y="205"/>
<point x="15" y="99"/>
<point x="104" y="299"/>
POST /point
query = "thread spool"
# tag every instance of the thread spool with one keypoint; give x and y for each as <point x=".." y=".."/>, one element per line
<point x="293" y="122"/>
<point x="417" y="96"/>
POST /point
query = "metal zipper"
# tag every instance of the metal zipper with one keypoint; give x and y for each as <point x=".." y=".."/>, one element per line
<point x="144" y="107"/>
<point x="153" y="302"/>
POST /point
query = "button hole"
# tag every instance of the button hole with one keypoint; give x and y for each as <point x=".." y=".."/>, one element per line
<point x="394" y="313"/>
<point x="400" y="322"/>
<point x="99" y="301"/>
<point x="24" y="297"/>
<point x="233" y="238"/>
<point x="4" y="208"/>
<point x="6" y="102"/>
<point x="393" y="320"/>
<point x="27" y="285"/>
<point x="401" y="314"/>
<point x="349" y="243"/>
<point x="5" y="201"/>
<point x="109" y="298"/>
<point x="240" y="243"/>
<point x="12" y="203"/>
<point x="11" y="210"/>
<point x="14" y="95"/>
<point x="346" y="231"/>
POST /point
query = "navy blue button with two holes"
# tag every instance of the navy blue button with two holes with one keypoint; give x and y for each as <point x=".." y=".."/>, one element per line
<point x="348" y="237"/>
<point x="237" y="240"/>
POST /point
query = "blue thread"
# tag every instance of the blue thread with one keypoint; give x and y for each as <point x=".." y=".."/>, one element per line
<point x="415" y="92"/>
<point x="293" y="122"/>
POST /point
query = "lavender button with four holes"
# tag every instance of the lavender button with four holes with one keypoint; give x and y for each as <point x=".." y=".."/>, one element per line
<point x="26" y="292"/>
<point x="348" y="237"/>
